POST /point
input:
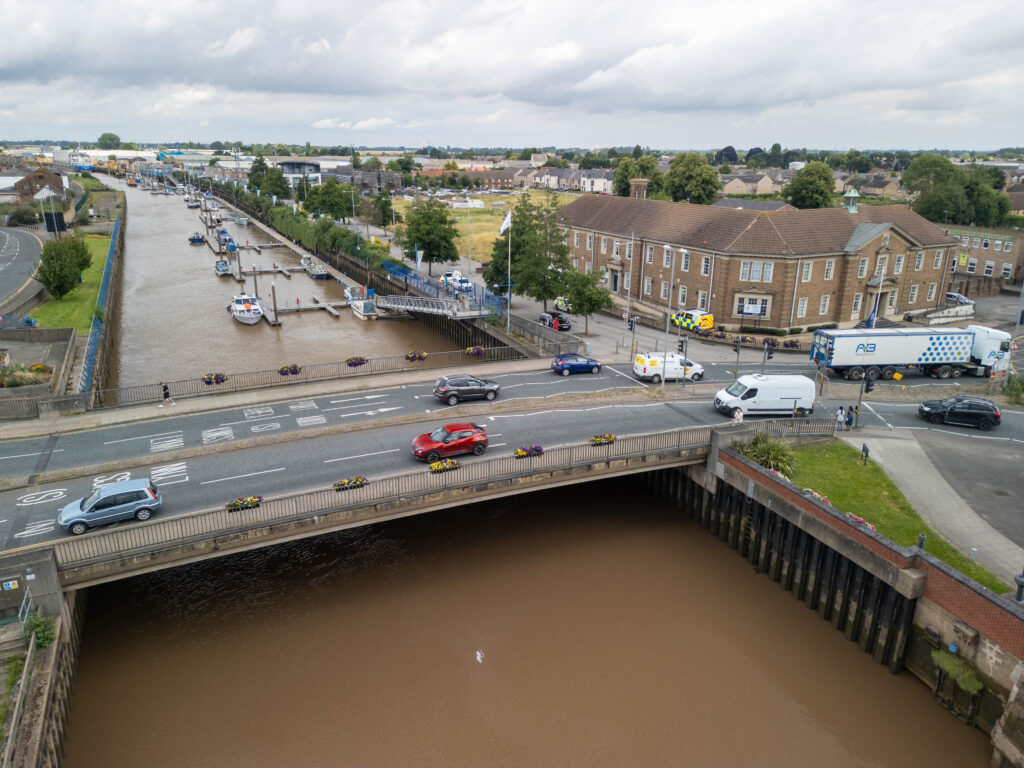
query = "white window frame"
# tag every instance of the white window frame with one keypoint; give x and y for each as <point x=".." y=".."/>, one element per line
<point x="897" y="267"/>
<point x="972" y="266"/>
<point x="629" y="251"/>
<point x="997" y="245"/>
<point x="919" y="262"/>
<point x="880" y="265"/>
<point x="823" y="304"/>
<point x="931" y="293"/>
<point x="858" y="298"/>
<point x="650" y="254"/>
<point x="705" y="266"/>
<point x="769" y="267"/>
<point x="667" y="258"/>
<point x="892" y="299"/>
<point x="801" y="307"/>
<point x="912" y="296"/>
<point x="977" y="242"/>
<point x="682" y="295"/>
<point x="702" y="300"/>
<point x="648" y="284"/>
<point x="1006" y="246"/>
<point x="664" y="290"/>
<point x="937" y="262"/>
<point x="575" y="263"/>
<point x="1007" y="270"/>
<point x="744" y="271"/>
<point x="984" y="244"/>
<point x="862" y="268"/>
<point x="627" y="281"/>
<point x="588" y="268"/>
<point x="806" y="271"/>
<point x="576" y="239"/>
<point x="604" y="245"/>
<point x="756" y="268"/>
<point x="830" y="269"/>
<point x="990" y="268"/>
<point x="615" y="248"/>
<point x="590" y="241"/>
<point x="686" y="261"/>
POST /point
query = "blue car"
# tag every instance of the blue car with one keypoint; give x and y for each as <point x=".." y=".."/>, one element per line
<point x="566" y="364"/>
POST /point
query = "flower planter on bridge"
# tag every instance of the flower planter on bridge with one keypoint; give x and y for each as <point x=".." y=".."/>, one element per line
<point x="243" y="502"/>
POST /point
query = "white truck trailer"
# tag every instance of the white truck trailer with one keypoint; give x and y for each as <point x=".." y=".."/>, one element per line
<point x="934" y="351"/>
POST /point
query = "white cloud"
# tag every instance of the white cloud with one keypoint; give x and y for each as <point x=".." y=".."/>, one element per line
<point x="239" y="41"/>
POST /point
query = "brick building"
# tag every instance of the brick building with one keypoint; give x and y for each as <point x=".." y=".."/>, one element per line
<point x="986" y="260"/>
<point x="791" y="268"/>
<point x="37" y="180"/>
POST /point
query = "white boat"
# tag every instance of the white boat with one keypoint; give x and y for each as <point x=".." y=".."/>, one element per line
<point x="223" y="267"/>
<point x="364" y="309"/>
<point x="314" y="270"/>
<point x="246" y="309"/>
<point x="240" y="218"/>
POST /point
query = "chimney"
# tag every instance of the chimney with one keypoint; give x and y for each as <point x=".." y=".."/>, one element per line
<point x="638" y="188"/>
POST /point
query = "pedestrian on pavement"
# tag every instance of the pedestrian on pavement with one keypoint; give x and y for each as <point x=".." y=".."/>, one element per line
<point x="167" y="395"/>
<point x="737" y="416"/>
<point x="849" y="418"/>
<point x="555" y="324"/>
<point x="840" y="419"/>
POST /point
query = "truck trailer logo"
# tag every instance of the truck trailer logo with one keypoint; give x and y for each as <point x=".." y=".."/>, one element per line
<point x="865" y="349"/>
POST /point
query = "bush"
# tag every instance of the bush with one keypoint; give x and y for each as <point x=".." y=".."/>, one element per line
<point x="765" y="331"/>
<point x="1014" y="388"/>
<point x="22" y="215"/>
<point x="43" y="627"/>
<point x="813" y="328"/>
<point x="769" y="452"/>
<point x="795" y="331"/>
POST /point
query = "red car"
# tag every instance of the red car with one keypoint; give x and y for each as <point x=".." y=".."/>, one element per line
<point x="450" y="440"/>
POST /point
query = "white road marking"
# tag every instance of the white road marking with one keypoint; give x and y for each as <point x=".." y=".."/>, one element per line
<point x="310" y="421"/>
<point x="256" y="413"/>
<point x="26" y="455"/>
<point x="305" y="405"/>
<point x="35" y="529"/>
<point x="166" y="443"/>
<point x="246" y="421"/>
<point x="270" y="427"/>
<point x="164" y="472"/>
<point x="42" y="497"/>
<point x="627" y="376"/>
<point x="143" y="437"/>
<point x="367" y="413"/>
<point x="361" y="455"/>
<point x="239" y="477"/>
<point x="221" y="435"/>
<point x="354" y="399"/>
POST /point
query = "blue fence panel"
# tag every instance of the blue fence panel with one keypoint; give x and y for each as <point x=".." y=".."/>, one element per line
<point x="89" y="359"/>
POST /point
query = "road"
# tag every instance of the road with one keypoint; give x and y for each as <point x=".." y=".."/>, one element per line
<point x="19" y="255"/>
<point x="228" y="468"/>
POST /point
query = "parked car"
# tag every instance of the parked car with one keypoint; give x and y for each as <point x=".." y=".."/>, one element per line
<point x="122" y="500"/>
<point x="449" y="440"/>
<point x="455" y="280"/>
<point x="566" y="364"/>
<point x="962" y="410"/>
<point x="555" y="320"/>
<point x="462" y="386"/>
<point x="958" y="298"/>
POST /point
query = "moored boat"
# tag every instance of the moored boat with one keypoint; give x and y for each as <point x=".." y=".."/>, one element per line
<point x="246" y="309"/>
<point x="314" y="270"/>
<point x="240" y="218"/>
<point x="364" y="309"/>
<point x="222" y="267"/>
<point x="197" y="238"/>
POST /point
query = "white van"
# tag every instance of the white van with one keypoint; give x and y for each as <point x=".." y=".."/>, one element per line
<point x="651" y="367"/>
<point x="767" y="394"/>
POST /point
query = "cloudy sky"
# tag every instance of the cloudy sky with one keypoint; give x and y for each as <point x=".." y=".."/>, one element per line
<point x="672" y="74"/>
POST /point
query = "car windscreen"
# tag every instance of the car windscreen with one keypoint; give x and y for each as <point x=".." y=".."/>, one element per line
<point x="439" y="435"/>
<point x="949" y="402"/>
<point x="91" y="499"/>
<point x="736" y="389"/>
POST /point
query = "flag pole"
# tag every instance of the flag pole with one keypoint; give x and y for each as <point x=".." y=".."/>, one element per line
<point x="508" y="287"/>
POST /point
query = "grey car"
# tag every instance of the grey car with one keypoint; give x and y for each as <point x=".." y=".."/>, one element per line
<point x="109" y="503"/>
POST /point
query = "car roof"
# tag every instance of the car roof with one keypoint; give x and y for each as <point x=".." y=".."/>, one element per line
<point x="460" y="426"/>
<point x="120" y="486"/>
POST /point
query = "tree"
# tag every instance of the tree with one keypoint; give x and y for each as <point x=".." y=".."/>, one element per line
<point x="637" y="152"/>
<point x="554" y="161"/>
<point x="274" y="183"/>
<point x="430" y="228"/>
<point x="58" y="267"/>
<point x="727" y="155"/>
<point x="257" y="172"/>
<point x="755" y="158"/>
<point x="775" y="156"/>
<point x="629" y="168"/>
<point x="21" y="215"/>
<point x="330" y="199"/>
<point x="109" y="141"/>
<point x="382" y="209"/>
<point x="811" y="187"/>
<point x="690" y="178"/>
<point x="372" y="164"/>
<point x="725" y="168"/>
<point x="586" y="296"/>
<point x="927" y="171"/>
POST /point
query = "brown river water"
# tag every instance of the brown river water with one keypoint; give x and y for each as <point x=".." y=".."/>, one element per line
<point x="588" y="626"/>
<point x="174" y="324"/>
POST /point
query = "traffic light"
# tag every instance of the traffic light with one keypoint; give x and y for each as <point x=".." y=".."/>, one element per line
<point x="736" y="346"/>
<point x="869" y="384"/>
<point x="631" y="323"/>
<point x="770" y="351"/>
<point x="681" y="346"/>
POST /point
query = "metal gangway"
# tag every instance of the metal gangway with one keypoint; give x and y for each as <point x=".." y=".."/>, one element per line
<point x="454" y="308"/>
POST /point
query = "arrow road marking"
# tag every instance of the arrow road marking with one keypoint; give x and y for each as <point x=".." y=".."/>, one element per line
<point x="368" y="413"/>
<point x="354" y="399"/>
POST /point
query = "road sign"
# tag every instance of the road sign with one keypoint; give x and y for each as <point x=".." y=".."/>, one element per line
<point x="997" y="375"/>
<point x="625" y="315"/>
<point x="1014" y="346"/>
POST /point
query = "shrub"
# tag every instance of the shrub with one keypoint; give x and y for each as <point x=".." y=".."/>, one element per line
<point x="769" y="452"/>
<point x="813" y="328"/>
<point x="22" y="215"/>
<point x="765" y="331"/>
<point x="795" y="331"/>
<point x="14" y="670"/>
<point x="1014" y="388"/>
<point x="43" y="627"/>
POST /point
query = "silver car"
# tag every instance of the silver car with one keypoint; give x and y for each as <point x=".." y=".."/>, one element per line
<point x="122" y="500"/>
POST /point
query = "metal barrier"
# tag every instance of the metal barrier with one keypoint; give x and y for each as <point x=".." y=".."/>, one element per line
<point x="177" y="531"/>
<point x="89" y="358"/>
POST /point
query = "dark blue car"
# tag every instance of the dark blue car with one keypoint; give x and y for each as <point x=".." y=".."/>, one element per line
<point x="566" y="364"/>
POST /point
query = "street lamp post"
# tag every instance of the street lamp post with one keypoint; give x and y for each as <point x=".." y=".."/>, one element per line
<point x="668" y="316"/>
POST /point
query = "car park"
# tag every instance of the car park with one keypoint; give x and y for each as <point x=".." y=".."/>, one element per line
<point x="566" y="364"/>
<point x="461" y="386"/>
<point x="450" y="440"/>
<point x="555" y="320"/>
<point x="121" y="500"/>
<point x="958" y="298"/>
<point x="961" y="410"/>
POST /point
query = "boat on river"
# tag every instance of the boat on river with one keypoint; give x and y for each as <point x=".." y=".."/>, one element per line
<point x="314" y="270"/>
<point x="222" y="268"/>
<point x="197" y="238"/>
<point x="239" y="218"/>
<point x="365" y="309"/>
<point x="192" y="203"/>
<point x="246" y="309"/>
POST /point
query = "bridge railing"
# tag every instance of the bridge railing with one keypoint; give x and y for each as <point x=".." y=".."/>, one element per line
<point x="159" y="534"/>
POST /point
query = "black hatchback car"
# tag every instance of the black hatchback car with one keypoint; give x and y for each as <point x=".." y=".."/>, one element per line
<point x="462" y="386"/>
<point x="556" y="320"/>
<point x="961" y="410"/>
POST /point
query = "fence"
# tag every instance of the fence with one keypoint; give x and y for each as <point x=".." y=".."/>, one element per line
<point x="178" y="531"/>
<point x="89" y="358"/>
<point x="12" y="730"/>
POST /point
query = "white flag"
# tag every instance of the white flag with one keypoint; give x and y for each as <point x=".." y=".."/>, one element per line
<point x="506" y="223"/>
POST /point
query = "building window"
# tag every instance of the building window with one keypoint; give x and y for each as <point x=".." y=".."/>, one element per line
<point x="615" y="249"/>
<point x="919" y="261"/>
<point x="977" y="242"/>
<point x="648" y="282"/>
<point x="575" y="263"/>
<point x="650" y="254"/>
<point x="667" y="258"/>
<point x="587" y="268"/>
<point x="686" y="261"/>
<point x="604" y="245"/>
<point x="664" y="289"/>
<point x="862" y="268"/>
<point x="1007" y="270"/>
<point x="892" y="299"/>
<point x="629" y="251"/>
<point x="705" y="266"/>
<point x="626" y="282"/>
<point x="830" y="268"/>
<point x="966" y="241"/>
<point x="984" y="244"/>
<point x="912" y="298"/>
<point x="744" y="270"/>
<point x="897" y="267"/>
<point x="997" y="245"/>
<point x="972" y="266"/>
<point x="937" y="263"/>
<point x="702" y="300"/>
<point x="806" y="276"/>
<point x="801" y="308"/>
<point x="755" y="271"/>
<point x="682" y="295"/>
<point x="1006" y="246"/>
<point x="857" y="298"/>
<point x="590" y="242"/>
<point x="880" y="265"/>
<point x="751" y="306"/>
<point x="768" y="268"/>
<point x="931" y="293"/>
<point x="576" y="239"/>
<point x="990" y="267"/>
<point x="823" y="305"/>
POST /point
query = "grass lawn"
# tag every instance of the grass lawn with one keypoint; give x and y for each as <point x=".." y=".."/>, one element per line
<point x="90" y="183"/>
<point x="483" y="223"/>
<point x="837" y="472"/>
<point x="76" y="309"/>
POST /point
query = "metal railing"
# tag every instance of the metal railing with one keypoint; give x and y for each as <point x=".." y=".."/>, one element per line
<point x="89" y="358"/>
<point x="178" y="531"/>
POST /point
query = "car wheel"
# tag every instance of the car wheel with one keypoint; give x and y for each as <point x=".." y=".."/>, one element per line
<point x="478" y="449"/>
<point x="452" y="400"/>
<point x="144" y="514"/>
<point x="936" y="418"/>
<point x="985" y="425"/>
<point x="697" y="377"/>
<point x="656" y="379"/>
<point x="491" y="394"/>
<point x="433" y="456"/>
<point x="945" y="372"/>
<point x="565" y="371"/>
<point x="958" y="372"/>
<point x="596" y="369"/>
<point x="79" y="528"/>
<point x="855" y="374"/>
<point x="801" y="412"/>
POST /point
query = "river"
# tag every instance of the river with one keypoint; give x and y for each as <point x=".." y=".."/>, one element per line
<point x="586" y="626"/>
<point x="173" y="320"/>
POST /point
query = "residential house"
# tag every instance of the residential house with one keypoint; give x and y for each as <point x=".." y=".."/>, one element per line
<point x="1016" y="195"/>
<point x="880" y="184"/>
<point x="747" y="183"/>
<point x="797" y="267"/>
<point x="294" y="169"/>
<point x="596" y="180"/>
<point x="29" y="186"/>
